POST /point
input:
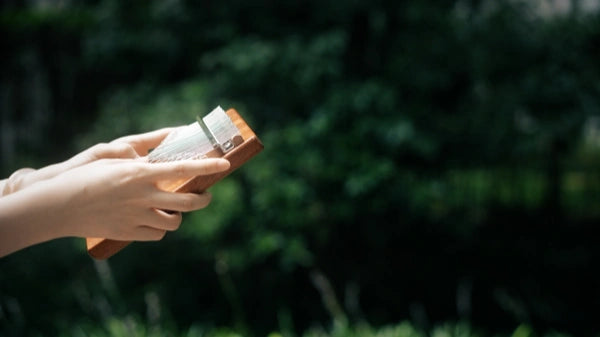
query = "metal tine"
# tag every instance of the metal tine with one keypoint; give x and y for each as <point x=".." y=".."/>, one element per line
<point x="215" y="130"/>
<point x="181" y="147"/>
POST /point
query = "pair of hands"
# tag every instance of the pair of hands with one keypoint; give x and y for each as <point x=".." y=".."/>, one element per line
<point x="108" y="190"/>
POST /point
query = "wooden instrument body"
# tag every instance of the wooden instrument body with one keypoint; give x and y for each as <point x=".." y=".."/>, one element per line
<point x="100" y="248"/>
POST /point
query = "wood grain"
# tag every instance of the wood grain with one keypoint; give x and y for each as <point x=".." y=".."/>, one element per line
<point x="100" y="248"/>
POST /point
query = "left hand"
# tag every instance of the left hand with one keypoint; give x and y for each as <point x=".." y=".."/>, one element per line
<point x="132" y="146"/>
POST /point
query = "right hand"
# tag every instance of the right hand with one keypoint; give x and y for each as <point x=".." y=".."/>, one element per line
<point x="119" y="198"/>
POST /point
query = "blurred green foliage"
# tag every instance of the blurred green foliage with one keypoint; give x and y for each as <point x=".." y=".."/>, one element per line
<point x="132" y="327"/>
<point x="427" y="161"/>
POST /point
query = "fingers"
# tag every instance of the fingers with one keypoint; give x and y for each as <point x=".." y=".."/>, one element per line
<point x="165" y="220"/>
<point x="113" y="150"/>
<point x="181" y="202"/>
<point x="96" y="152"/>
<point x="187" y="168"/>
<point x="156" y="225"/>
<point x="142" y="143"/>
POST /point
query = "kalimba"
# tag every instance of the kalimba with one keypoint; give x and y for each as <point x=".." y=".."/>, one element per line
<point x="221" y="133"/>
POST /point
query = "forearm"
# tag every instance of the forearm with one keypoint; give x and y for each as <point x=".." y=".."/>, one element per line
<point x="28" y="217"/>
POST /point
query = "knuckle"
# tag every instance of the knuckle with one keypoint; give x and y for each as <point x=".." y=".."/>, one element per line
<point x="100" y="150"/>
<point x="136" y="170"/>
<point x="113" y="150"/>
<point x="190" y="202"/>
<point x="179" y="170"/>
<point x="128" y="173"/>
<point x="124" y="150"/>
<point x="187" y="204"/>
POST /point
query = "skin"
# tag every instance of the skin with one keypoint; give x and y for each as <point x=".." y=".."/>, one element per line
<point x="108" y="191"/>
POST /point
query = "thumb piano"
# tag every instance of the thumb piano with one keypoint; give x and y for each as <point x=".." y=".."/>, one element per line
<point x="221" y="133"/>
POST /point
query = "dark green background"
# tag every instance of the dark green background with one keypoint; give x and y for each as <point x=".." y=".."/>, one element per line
<point x="425" y="161"/>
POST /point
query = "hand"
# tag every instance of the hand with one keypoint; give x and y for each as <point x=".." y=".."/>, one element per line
<point x="106" y="191"/>
<point x="111" y="198"/>
<point x="119" y="199"/>
<point x="125" y="147"/>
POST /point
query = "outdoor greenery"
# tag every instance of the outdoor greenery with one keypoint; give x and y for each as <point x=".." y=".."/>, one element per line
<point x="425" y="162"/>
<point x="133" y="328"/>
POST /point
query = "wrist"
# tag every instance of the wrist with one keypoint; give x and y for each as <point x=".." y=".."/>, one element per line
<point x="29" y="216"/>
